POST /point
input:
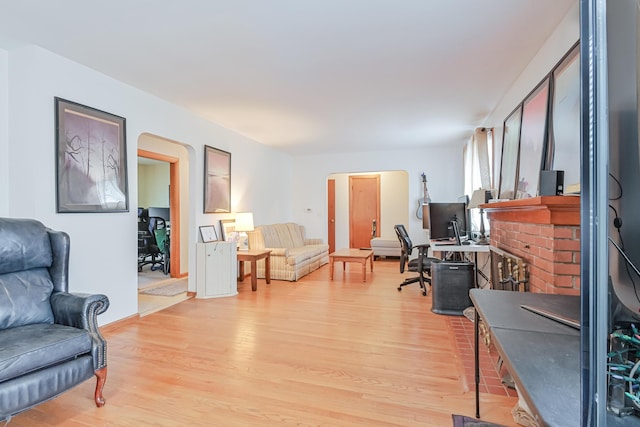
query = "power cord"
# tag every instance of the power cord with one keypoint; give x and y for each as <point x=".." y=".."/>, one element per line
<point x="617" y="223"/>
<point x="627" y="264"/>
<point x="619" y="196"/>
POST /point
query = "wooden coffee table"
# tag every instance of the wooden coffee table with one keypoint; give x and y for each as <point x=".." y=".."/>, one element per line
<point x="351" y="255"/>
<point x="253" y="256"/>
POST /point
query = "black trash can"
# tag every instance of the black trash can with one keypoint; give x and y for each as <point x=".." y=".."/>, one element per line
<point x="450" y="284"/>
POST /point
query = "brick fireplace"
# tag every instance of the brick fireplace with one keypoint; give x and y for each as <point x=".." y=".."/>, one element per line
<point x="545" y="233"/>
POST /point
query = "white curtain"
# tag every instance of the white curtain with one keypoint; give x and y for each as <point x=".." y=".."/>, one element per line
<point x="477" y="158"/>
<point x="482" y="149"/>
<point x="477" y="161"/>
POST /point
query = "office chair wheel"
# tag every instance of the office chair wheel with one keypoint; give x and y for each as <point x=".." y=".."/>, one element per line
<point x="424" y="293"/>
<point x="399" y="288"/>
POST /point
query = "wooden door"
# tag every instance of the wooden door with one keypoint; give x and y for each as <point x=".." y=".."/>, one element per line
<point x="331" y="214"/>
<point x="364" y="209"/>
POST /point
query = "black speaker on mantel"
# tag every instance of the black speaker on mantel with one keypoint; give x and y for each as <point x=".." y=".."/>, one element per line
<point x="551" y="183"/>
<point x="450" y="284"/>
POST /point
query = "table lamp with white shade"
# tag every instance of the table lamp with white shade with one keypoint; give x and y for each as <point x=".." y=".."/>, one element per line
<point x="480" y="197"/>
<point x="244" y="223"/>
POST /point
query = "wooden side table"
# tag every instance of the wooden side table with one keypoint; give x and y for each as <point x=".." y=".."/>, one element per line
<point x="351" y="255"/>
<point x="253" y="256"/>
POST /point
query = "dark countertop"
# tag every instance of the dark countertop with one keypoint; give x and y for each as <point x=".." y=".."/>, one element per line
<point x="542" y="355"/>
<point x="546" y="369"/>
<point x="501" y="309"/>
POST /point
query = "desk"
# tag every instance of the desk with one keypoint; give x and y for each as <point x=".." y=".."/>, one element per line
<point x="439" y="248"/>
<point x="253" y="256"/>
<point x="351" y="255"/>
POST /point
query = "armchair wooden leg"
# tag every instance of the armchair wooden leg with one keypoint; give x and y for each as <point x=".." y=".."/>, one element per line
<point x="101" y="376"/>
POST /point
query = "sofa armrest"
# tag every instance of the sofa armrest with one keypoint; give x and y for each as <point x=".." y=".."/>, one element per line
<point x="81" y="311"/>
<point x="313" y="241"/>
<point x="279" y="252"/>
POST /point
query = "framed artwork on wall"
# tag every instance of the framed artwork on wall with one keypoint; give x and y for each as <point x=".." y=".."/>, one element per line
<point x="217" y="180"/>
<point x="564" y="137"/>
<point x="91" y="159"/>
<point x="533" y="140"/>
<point x="509" y="160"/>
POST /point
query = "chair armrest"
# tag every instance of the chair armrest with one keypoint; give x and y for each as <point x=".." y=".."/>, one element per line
<point x="279" y="252"/>
<point x="312" y="241"/>
<point x="423" y="248"/>
<point x="78" y="310"/>
<point x="81" y="311"/>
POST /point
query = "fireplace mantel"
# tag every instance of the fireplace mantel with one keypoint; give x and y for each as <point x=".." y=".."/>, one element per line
<point x="545" y="233"/>
<point x="554" y="210"/>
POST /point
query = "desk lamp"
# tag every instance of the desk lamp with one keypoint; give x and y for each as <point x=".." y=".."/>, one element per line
<point x="478" y="198"/>
<point x="244" y="223"/>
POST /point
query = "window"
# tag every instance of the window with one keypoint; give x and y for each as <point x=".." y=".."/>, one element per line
<point x="478" y="173"/>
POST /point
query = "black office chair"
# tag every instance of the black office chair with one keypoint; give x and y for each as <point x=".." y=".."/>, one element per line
<point x="421" y="264"/>
<point x="153" y="243"/>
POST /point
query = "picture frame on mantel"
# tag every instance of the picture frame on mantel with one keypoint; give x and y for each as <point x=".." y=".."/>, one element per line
<point x="217" y="180"/>
<point x="91" y="159"/>
<point x="533" y="140"/>
<point x="510" y="151"/>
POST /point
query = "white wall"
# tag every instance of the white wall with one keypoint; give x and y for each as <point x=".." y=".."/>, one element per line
<point x="442" y="166"/>
<point x="104" y="245"/>
<point x="4" y="133"/>
<point x="558" y="44"/>
<point x="153" y="185"/>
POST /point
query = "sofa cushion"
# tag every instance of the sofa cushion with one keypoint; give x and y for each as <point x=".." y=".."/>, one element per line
<point x="296" y="233"/>
<point x="25" y="298"/>
<point x="284" y="235"/>
<point x="25" y="245"/>
<point x="29" y="348"/>
<point x="300" y="255"/>
<point x="270" y="236"/>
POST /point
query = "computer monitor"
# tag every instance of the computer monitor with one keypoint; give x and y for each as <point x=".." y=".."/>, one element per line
<point x="441" y="216"/>
<point x="160" y="212"/>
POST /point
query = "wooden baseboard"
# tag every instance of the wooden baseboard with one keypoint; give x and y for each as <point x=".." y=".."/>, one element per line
<point x="110" y="327"/>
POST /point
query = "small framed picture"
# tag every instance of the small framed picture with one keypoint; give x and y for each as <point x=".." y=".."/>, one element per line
<point x="208" y="233"/>
<point x="228" y="230"/>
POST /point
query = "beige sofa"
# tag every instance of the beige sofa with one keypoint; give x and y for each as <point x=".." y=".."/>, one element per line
<point x="293" y="256"/>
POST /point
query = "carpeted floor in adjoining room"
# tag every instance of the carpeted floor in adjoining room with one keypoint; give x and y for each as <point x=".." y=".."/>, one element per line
<point x="167" y="289"/>
<point x="148" y="278"/>
<point x="157" y="291"/>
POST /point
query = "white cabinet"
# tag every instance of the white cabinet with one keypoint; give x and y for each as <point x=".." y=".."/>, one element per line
<point x="216" y="270"/>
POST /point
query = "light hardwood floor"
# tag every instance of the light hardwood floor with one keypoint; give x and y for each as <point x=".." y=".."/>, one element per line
<point x="311" y="353"/>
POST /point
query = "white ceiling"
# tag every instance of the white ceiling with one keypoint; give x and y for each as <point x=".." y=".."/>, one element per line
<point x="306" y="76"/>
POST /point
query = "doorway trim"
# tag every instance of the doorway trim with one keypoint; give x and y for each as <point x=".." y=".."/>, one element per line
<point x="174" y="206"/>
